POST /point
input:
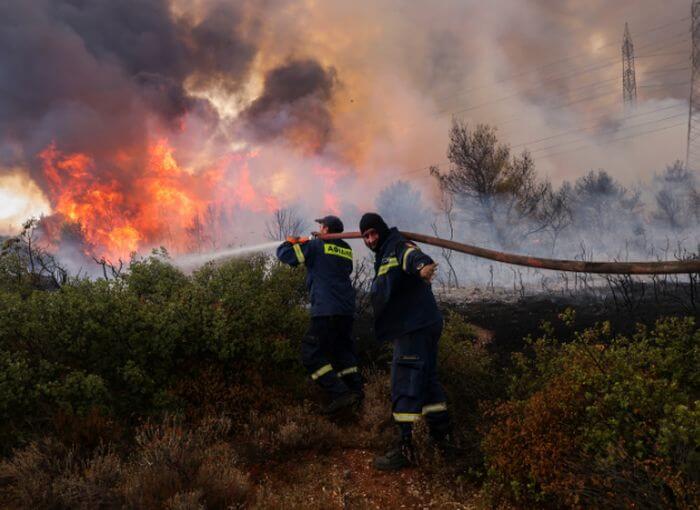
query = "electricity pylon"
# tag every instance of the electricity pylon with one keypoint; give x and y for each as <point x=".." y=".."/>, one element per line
<point x="629" y="80"/>
<point x="692" y="151"/>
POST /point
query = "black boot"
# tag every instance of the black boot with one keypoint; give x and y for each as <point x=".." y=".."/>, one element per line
<point x="397" y="457"/>
<point x="346" y="401"/>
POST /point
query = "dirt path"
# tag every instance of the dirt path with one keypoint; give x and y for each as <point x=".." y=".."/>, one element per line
<point x="345" y="479"/>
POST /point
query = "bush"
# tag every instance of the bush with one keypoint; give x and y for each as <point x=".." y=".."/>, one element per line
<point x="467" y="369"/>
<point x="47" y="474"/>
<point x="288" y="430"/>
<point x="127" y="347"/>
<point x="172" y="462"/>
<point x="470" y="377"/>
<point x="172" y="465"/>
<point x="601" y="421"/>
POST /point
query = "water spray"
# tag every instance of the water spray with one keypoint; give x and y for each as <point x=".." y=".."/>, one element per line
<point x="197" y="259"/>
<point x="577" y="266"/>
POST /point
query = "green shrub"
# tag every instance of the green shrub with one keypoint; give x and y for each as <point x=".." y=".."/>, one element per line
<point x="252" y="309"/>
<point x="125" y="347"/>
<point x="602" y="421"/>
<point x="467" y="369"/>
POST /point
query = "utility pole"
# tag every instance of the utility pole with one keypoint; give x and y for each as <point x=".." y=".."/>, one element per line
<point x="692" y="151"/>
<point x="629" y="80"/>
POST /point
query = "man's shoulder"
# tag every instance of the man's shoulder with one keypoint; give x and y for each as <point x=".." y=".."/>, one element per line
<point x="397" y="244"/>
<point x="343" y="244"/>
<point x="315" y="243"/>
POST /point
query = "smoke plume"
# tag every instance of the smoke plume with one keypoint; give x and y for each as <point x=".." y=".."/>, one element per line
<point x="293" y="105"/>
<point x="183" y="123"/>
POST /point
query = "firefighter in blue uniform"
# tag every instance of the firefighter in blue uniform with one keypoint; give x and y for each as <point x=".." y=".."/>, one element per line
<point x="406" y="314"/>
<point x="327" y="350"/>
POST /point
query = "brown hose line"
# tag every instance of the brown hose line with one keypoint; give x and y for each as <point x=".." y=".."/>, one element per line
<point x="664" y="267"/>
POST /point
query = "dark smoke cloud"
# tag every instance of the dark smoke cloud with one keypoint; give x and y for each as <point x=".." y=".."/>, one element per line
<point x="294" y="104"/>
<point x="221" y="57"/>
<point x="90" y="74"/>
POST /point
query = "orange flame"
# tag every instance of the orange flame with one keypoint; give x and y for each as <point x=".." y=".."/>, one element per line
<point x="330" y="176"/>
<point x="120" y="216"/>
<point x="133" y="201"/>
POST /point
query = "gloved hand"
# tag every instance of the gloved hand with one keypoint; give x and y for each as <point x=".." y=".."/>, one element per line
<point x="297" y="240"/>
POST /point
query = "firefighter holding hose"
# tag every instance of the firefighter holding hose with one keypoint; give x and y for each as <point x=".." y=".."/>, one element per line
<point x="327" y="350"/>
<point x="406" y="314"/>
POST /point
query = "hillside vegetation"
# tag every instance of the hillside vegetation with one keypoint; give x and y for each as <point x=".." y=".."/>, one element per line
<point x="156" y="389"/>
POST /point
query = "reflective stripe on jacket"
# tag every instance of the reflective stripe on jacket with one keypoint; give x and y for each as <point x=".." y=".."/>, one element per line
<point x="328" y="268"/>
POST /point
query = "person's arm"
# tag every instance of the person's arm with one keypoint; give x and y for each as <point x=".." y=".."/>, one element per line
<point x="294" y="251"/>
<point x="414" y="261"/>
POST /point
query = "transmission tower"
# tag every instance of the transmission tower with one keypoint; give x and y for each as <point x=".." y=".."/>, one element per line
<point x="692" y="152"/>
<point x="629" y="81"/>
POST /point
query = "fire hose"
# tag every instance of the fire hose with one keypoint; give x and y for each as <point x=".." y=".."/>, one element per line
<point x="577" y="266"/>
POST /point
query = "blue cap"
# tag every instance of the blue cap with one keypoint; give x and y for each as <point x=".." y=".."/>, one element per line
<point x="333" y="223"/>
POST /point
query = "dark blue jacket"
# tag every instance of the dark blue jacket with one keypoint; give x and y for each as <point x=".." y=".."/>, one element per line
<point x="403" y="302"/>
<point x="328" y="267"/>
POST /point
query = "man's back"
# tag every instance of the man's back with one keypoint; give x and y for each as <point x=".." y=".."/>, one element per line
<point x="329" y="265"/>
<point x="402" y="300"/>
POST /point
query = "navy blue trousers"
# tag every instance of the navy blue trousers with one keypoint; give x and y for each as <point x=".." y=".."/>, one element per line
<point x="415" y="389"/>
<point x="328" y="354"/>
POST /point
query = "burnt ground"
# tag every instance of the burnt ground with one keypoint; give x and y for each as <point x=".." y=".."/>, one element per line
<point x="504" y="318"/>
<point x="509" y="322"/>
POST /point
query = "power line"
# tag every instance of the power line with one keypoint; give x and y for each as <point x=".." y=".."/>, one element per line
<point x="614" y="140"/>
<point x="682" y="36"/>
<point x="654" y="55"/>
<point x="519" y="94"/>
<point x="558" y="61"/>
<point x="657" y="85"/>
<point x="592" y="125"/>
<point x="657" y="71"/>
<point x="547" y="156"/>
<point x="605" y="107"/>
<point x="550" y="108"/>
<point x="511" y="119"/>
<point x="609" y="131"/>
<point x="553" y="80"/>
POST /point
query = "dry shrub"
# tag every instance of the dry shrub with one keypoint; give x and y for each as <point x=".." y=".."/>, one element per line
<point x="278" y="434"/>
<point x="296" y="497"/>
<point x="27" y="478"/>
<point x="172" y="459"/>
<point x="222" y="483"/>
<point x="185" y="501"/>
<point x="376" y="426"/>
<point x="275" y="435"/>
<point x="211" y="390"/>
<point x="88" y="431"/>
<point x="93" y="484"/>
<point x="530" y="441"/>
<point x="601" y="425"/>
<point x="429" y="459"/>
<point x="48" y="475"/>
